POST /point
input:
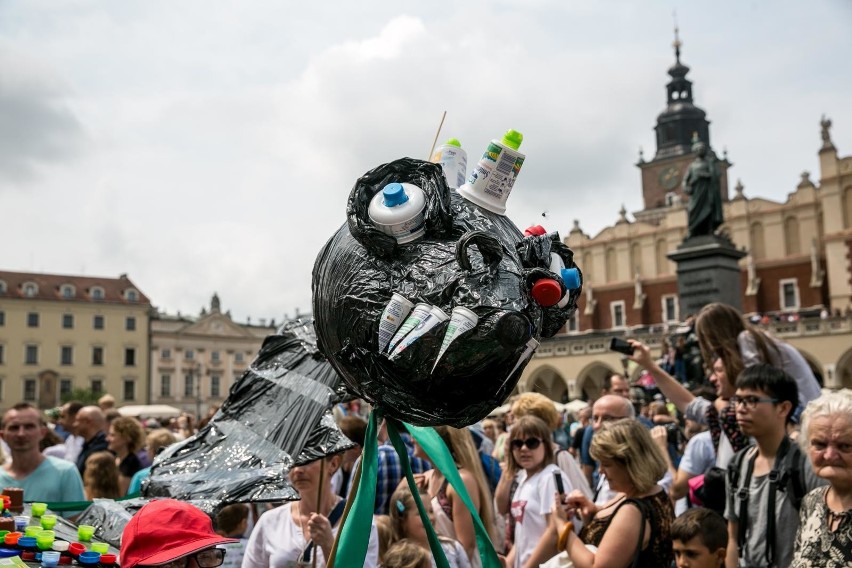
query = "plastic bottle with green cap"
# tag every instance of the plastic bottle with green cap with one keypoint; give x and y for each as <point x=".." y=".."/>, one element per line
<point x="491" y="181"/>
<point x="453" y="160"/>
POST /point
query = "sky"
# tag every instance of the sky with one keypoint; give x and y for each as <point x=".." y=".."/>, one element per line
<point x="210" y="146"/>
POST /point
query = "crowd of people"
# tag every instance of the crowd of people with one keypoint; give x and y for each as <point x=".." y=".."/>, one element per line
<point x="753" y="469"/>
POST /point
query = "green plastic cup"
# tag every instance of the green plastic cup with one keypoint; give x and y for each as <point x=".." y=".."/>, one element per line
<point x="44" y="542"/>
<point x="85" y="532"/>
<point x="38" y="509"/>
<point x="32" y="530"/>
<point x="48" y="521"/>
<point x="101" y="547"/>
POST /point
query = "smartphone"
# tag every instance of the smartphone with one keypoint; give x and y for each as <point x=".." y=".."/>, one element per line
<point x="557" y="476"/>
<point x="620" y="345"/>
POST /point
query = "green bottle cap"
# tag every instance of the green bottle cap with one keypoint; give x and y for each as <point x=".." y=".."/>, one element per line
<point x="513" y="139"/>
<point x="453" y="142"/>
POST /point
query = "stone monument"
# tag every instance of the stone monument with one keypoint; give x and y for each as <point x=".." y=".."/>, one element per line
<point x="707" y="262"/>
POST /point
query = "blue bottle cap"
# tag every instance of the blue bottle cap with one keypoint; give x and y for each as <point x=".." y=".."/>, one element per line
<point x="571" y="277"/>
<point x="8" y="552"/>
<point x="394" y="194"/>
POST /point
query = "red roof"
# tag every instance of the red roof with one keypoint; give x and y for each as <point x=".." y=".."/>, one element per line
<point x="70" y="288"/>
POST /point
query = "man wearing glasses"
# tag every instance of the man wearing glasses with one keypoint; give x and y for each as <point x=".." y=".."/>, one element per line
<point x="764" y="479"/>
<point x="171" y="534"/>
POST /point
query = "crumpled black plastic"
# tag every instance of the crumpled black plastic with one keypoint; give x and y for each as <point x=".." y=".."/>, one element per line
<point x="109" y="518"/>
<point x="468" y="257"/>
<point x="276" y="415"/>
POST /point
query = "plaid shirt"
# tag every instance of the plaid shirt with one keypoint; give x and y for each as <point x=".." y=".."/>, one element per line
<point x="390" y="472"/>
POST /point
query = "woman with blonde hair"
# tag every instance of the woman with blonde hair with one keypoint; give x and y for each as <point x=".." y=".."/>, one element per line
<point x="452" y="518"/>
<point x="100" y="480"/>
<point x="722" y="333"/>
<point x="634" y="526"/>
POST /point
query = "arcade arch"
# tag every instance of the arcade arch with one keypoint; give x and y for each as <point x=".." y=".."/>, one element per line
<point x="549" y="382"/>
<point x="843" y="370"/>
<point x="591" y="379"/>
<point x="815" y="366"/>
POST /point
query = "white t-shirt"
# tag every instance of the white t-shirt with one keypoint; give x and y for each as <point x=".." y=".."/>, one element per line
<point x="532" y="501"/>
<point x="277" y="542"/>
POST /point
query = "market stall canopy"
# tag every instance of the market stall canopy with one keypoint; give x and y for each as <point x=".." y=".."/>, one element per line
<point x="149" y="411"/>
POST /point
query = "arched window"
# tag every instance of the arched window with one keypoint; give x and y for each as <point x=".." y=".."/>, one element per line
<point x="847" y="207"/>
<point x="758" y="247"/>
<point x="663" y="263"/>
<point x="791" y="236"/>
<point x="611" y="265"/>
<point x="67" y="291"/>
<point x="131" y="295"/>
<point x="30" y="289"/>
<point x="97" y="293"/>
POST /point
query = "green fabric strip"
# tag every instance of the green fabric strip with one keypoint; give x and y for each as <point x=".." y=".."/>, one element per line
<point x="355" y="534"/>
<point x="402" y="451"/>
<point x="440" y="457"/>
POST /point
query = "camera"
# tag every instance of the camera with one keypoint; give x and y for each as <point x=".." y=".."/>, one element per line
<point x="674" y="435"/>
<point x="621" y="346"/>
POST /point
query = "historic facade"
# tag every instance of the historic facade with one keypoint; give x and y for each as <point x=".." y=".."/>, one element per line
<point x="799" y="260"/>
<point x="195" y="360"/>
<point x="58" y="333"/>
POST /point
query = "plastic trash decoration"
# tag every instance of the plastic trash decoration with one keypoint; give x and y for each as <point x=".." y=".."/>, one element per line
<point x="468" y="257"/>
<point x="276" y="415"/>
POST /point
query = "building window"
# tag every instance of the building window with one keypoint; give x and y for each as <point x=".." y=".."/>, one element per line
<point x="98" y="322"/>
<point x="166" y="354"/>
<point x="670" y="309"/>
<point x="67" y="321"/>
<point x="239" y="357"/>
<point x="30" y="289"/>
<point x="1" y="354"/>
<point x="97" y="356"/>
<point x="129" y="390"/>
<point x="29" y="390"/>
<point x="66" y="355"/>
<point x="165" y="385"/>
<point x="67" y="291"/>
<point x="97" y="293"/>
<point x="188" y="384"/>
<point x="2" y="287"/>
<point x="2" y="318"/>
<point x="573" y="324"/>
<point x="31" y="355"/>
<point x="97" y="386"/>
<point x="65" y="387"/>
<point x="129" y="356"/>
<point x="616" y="311"/>
<point x="32" y="319"/>
<point x="214" y="356"/>
<point x="131" y="295"/>
<point x="789" y="294"/>
<point x="189" y="354"/>
<point x="215" y="386"/>
<point x="130" y="323"/>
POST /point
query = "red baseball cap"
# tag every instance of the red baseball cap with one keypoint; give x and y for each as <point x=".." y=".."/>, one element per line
<point x="164" y="530"/>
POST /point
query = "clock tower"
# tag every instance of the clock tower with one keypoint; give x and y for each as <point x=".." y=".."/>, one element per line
<point x="677" y="128"/>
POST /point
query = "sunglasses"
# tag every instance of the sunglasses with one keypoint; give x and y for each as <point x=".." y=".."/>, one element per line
<point x="530" y="443"/>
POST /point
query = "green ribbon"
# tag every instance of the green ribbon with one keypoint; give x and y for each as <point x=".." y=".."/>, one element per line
<point x="440" y="456"/>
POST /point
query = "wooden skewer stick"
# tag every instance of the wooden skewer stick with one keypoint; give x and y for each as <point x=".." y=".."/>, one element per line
<point x="435" y="142"/>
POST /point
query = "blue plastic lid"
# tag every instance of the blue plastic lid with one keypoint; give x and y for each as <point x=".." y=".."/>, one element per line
<point x="394" y="194"/>
<point x="89" y="557"/>
<point x="26" y="541"/>
<point x="8" y="552"/>
<point x="571" y="277"/>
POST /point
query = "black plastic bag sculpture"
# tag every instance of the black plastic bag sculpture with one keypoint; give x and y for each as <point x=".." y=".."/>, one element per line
<point x="468" y="257"/>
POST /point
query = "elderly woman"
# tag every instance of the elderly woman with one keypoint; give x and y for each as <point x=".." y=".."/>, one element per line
<point x="632" y="529"/>
<point x="825" y="530"/>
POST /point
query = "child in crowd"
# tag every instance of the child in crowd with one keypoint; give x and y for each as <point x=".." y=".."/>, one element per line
<point x="699" y="539"/>
<point x="232" y="522"/>
<point x="406" y="554"/>
<point x="100" y="480"/>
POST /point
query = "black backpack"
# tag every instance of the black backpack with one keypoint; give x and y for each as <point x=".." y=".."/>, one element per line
<point x="786" y="475"/>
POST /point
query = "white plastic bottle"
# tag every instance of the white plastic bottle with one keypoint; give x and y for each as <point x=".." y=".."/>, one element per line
<point x="453" y="160"/>
<point x="491" y="180"/>
<point x="398" y="211"/>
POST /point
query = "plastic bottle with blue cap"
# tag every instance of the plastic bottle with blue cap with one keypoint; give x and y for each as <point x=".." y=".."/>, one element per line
<point x="491" y="181"/>
<point x="398" y="210"/>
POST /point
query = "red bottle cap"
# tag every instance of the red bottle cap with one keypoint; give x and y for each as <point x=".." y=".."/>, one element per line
<point x="65" y="559"/>
<point x="534" y="231"/>
<point x="547" y="292"/>
<point x="27" y="556"/>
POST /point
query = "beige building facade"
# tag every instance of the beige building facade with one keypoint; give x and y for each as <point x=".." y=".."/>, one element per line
<point x="195" y="360"/>
<point x="59" y="333"/>
<point x="798" y="267"/>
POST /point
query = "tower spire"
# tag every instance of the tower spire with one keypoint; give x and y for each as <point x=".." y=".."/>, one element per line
<point x="676" y="43"/>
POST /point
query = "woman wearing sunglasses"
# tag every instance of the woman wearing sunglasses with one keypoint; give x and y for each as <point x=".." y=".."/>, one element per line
<point x="632" y="529"/>
<point x="531" y="455"/>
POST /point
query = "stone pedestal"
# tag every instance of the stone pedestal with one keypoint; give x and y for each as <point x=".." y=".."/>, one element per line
<point x="707" y="271"/>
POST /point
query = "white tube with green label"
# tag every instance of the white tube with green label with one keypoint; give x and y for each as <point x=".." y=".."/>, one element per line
<point x="392" y="318"/>
<point x="461" y="320"/>
<point x="418" y="314"/>
<point x="436" y="316"/>
<point x="532" y="345"/>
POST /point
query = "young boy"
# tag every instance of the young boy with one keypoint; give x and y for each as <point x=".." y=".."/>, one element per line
<point x="699" y="538"/>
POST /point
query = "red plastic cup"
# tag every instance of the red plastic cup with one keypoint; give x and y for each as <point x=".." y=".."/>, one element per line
<point x="12" y="538"/>
<point x="107" y="559"/>
<point x="28" y="556"/>
<point x="75" y="549"/>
